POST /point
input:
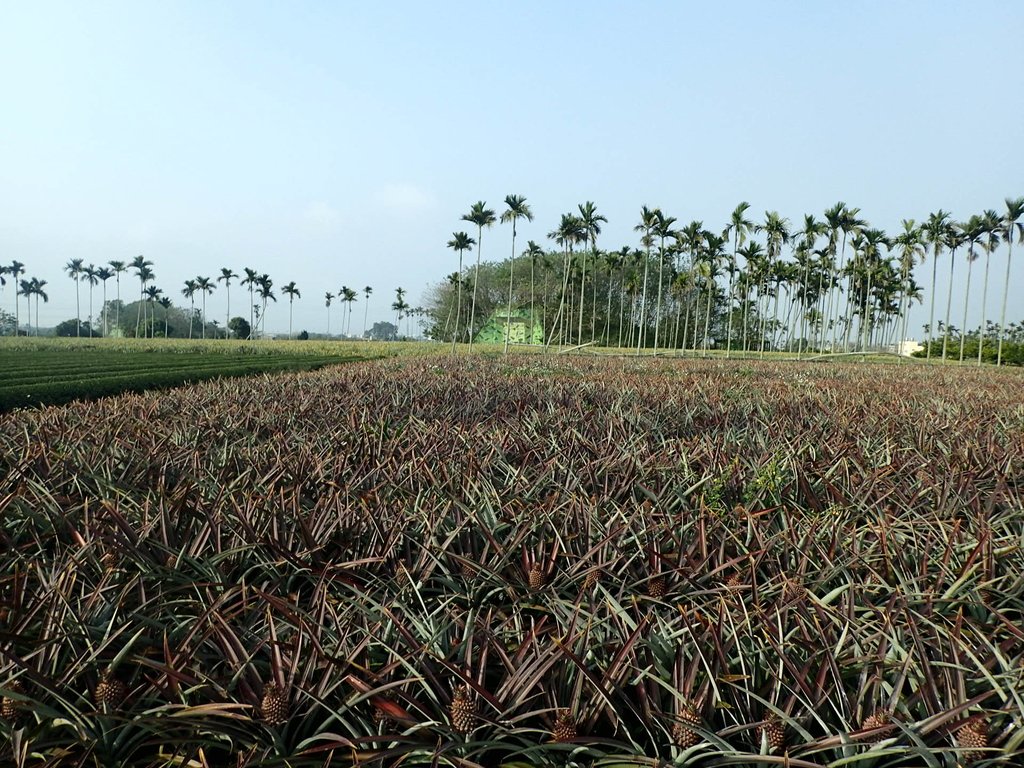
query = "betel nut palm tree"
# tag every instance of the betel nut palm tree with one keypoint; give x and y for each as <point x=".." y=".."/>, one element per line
<point x="663" y="229"/>
<point x="205" y="286"/>
<point x="1012" y="229"/>
<point x="226" y="276"/>
<point x="740" y="228"/>
<point x="591" y="221"/>
<point x="189" y="292"/>
<point x="74" y="269"/>
<point x="459" y="243"/>
<point x="118" y="267"/>
<point x="934" y="233"/>
<point x="482" y="216"/>
<point x="367" y="290"/>
<point x="291" y="290"/>
<point x="648" y="223"/>
<point x="516" y="208"/>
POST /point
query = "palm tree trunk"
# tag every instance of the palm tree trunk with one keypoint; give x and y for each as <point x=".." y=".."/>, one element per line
<point x="583" y="290"/>
<point x="686" y="320"/>
<point x="608" y="311"/>
<point x="931" y="313"/>
<point x="984" y="300"/>
<point x="707" y="316"/>
<point x="967" y="296"/>
<point x="657" y="311"/>
<point x="1006" y="285"/>
<point x="533" y="316"/>
<point x="643" y="304"/>
<point x="511" y="268"/>
<point x="476" y="278"/>
<point x="949" y="301"/>
<point x="138" y="314"/>
<point x="227" y="316"/>
<point x="746" y="305"/>
<point x="557" y="323"/>
<point x="622" y="300"/>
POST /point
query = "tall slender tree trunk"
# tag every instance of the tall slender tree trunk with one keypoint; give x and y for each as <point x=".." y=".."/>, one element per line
<point x="511" y="268"/>
<point x="641" y="332"/>
<point x="729" y="298"/>
<point x="657" y="311"/>
<point x="622" y="304"/>
<point x="707" y="316"/>
<point x="746" y="305"/>
<point x="967" y="296"/>
<point x="476" y="279"/>
<point x="608" y="311"/>
<point x="533" y="316"/>
<point x="949" y="301"/>
<point x="1006" y="286"/>
<point x="686" y="319"/>
<point x="138" y="314"/>
<point x="931" y="313"/>
<point x="583" y="290"/>
<point x="558" y="321"/>
<point x="984" y="300"/>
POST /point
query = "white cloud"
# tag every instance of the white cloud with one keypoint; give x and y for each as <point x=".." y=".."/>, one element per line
<point x="404" y="197"/>
<point x="321" y="217"/>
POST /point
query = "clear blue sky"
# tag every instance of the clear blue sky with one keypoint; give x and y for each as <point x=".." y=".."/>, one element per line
<point x="339" y="143"/>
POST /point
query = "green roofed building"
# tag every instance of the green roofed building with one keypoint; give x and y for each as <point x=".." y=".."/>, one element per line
<point x="523" y="328"/>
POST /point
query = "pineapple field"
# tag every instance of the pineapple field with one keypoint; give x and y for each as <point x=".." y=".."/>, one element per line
<point x="520" y="561"/>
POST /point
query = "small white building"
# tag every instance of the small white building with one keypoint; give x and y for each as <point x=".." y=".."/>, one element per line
<point x="908" y="347"/>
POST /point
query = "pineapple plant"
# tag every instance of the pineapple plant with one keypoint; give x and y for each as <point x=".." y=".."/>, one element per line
<point x="973" y="739"/>
<point x="876" y="720"/>
<point x="536" y="577"/>
<point x="9" y="708"/>
<point x="111" y="691"/>
<point x="683" y="733"/>
<point x="463" y="710"/>
<point x="274" y="704"/>
<point x="656" y="587"/>
<point x="565" y="727"/>
<point x="773" y="731"/>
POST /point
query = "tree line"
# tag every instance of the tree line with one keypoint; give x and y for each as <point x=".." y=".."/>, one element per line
<point x="833" y="284"/>
<point x="260" y="287"/>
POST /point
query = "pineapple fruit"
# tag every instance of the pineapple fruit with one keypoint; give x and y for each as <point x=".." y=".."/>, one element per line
<point x="656" y="586"/>
<point x="110" y="692"/>
<point x="565" y="728"/>
<point x="463" y="710"/>
<point x="274" y="705"/>
<point x="536" y="577"/>
<point x="9" y="707"/>
<point x="773" y="731"/>
<point x="972" y="738"/>
<point x="683" y="733"/>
